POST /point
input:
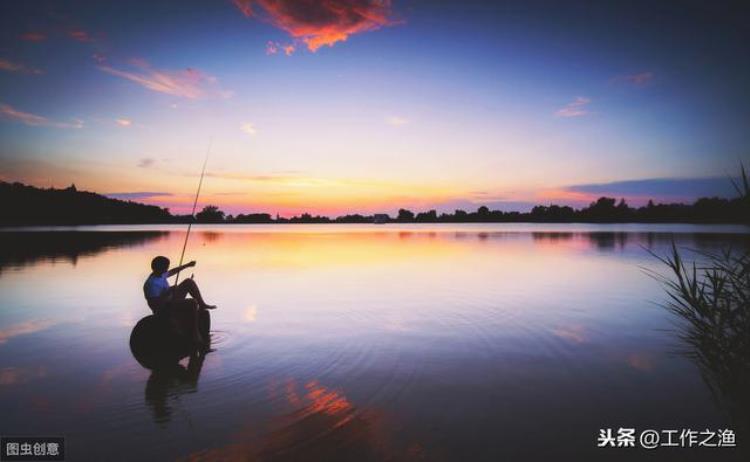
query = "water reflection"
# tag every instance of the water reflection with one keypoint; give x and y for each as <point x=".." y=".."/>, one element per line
<point x="168" y="382"/>
<point x="21" y="375"/>
<point x="18" y="248"/>
<point x="157" y="346"/>
<point x="373" y="343"/>
<point x="24" y="328"/>
<point x="607" y="241"/>
<point x="323" y="425"/>
<point x="714" y="307"/>
<point x="725" y="366"/>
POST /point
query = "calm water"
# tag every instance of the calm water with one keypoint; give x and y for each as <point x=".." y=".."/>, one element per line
<point x="447" y="342"/>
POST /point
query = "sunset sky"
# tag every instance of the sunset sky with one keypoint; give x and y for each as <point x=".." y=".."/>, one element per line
<point x="338" y="106"/>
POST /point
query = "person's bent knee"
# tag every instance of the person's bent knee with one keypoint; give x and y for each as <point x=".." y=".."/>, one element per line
<point x="185" y="305"/>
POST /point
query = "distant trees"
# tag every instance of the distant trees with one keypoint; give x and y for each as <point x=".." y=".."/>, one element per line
<point x="603" y="210"/>
<point x="210" y="214"/>
<point x="354" y="218"/>
<point x="426" y="217"/>
<point x="252" y="218"/>
<point x="553" y="213"/>
<point x="405" y="216"/>
<point x="307" y="218"/>
<point x="27" y="205"/>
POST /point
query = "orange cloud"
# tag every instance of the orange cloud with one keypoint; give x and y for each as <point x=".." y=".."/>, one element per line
<point x="9" y="66"/>
<point x="80" y="35"/>
<point x="274" y="47"/>
<point x="188" y="83"/>
<point x="565" y="195"/>
<point x="320" y="23"/>
<point x="27" y="118"/>
<point x="33" y="37"/>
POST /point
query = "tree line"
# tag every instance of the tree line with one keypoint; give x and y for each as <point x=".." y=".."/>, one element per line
<point x="603" y="210"/>
<point x="28" y="205"/>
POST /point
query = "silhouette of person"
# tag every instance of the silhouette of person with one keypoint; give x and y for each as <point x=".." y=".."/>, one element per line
<point x="171" y="301"/>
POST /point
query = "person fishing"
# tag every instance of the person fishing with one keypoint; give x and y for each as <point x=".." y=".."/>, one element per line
<point x="172" y="301"/>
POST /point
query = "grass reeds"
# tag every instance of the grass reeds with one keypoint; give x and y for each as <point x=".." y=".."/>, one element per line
<point x="712" y="300"/>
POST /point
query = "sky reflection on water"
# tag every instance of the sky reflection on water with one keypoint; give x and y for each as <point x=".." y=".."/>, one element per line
<point x="340" y="343"/>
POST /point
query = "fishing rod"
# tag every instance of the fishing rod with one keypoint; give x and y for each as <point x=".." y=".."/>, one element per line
<point x="192" y="214"/>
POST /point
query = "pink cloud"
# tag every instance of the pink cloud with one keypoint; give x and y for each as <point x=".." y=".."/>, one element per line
<point x="576" y="108"/>
<point x="320" y="23"/>
<point x="146" y="162"/>
<point x="27" y="118"/>
<point x="639" y="80"/>
<point x="273" y="48"/>
<point x="9" y="66"/>
<point x="188" y="83"/>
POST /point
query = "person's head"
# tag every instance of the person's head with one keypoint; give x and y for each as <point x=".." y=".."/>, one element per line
<point x="160" y="264"/>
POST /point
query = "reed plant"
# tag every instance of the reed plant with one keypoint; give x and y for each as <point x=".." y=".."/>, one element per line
<point x="711" y="301"/>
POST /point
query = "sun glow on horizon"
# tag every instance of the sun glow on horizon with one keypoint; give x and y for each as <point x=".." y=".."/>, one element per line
<point x="342" y="106"/>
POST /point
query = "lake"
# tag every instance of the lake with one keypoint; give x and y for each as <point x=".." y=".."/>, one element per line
<point x="358" y="342"/>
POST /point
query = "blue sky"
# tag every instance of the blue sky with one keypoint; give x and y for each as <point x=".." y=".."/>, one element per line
<point x="354" y="105"/>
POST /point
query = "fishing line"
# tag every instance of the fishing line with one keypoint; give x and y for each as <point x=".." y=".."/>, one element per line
<point x="192" y="214"/>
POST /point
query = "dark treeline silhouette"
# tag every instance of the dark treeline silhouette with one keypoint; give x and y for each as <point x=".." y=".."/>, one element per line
<point x="604" y="210"/>
<point x="27" y="205"/>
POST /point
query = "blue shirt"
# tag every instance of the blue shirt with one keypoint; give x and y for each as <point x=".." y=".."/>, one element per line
<point x="155" y="286"/>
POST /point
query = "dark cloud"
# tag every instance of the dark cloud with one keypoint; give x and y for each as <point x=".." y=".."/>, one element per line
<point x="677" y="188"/>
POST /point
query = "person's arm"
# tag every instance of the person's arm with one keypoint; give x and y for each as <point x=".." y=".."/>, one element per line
<point x="176" y="270"/>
